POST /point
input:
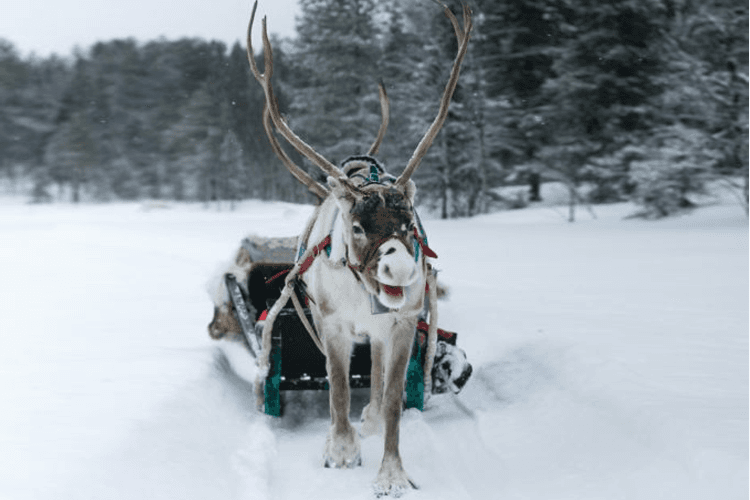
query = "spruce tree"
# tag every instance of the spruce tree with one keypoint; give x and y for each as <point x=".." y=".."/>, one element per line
<point x="458" y="172"/>
<point x="30" y="95"/>
<point x="707" y="84"/>
<point x="335" y="104"/>
<point x="519" y="42"/>
<point x="402" y="72"/>
<point x="233" y="181"/>
<point x="600" y="99"/>
<point x="193" y="146"/>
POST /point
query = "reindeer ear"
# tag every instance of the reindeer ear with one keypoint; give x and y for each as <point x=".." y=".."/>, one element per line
<point x="410" y="190"/>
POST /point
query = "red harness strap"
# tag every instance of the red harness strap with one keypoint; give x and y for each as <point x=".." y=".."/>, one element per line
<point x="423" y="328"/>
<point x="423" y="244"/>
<point x="315" y="252"/>
<point x="276" y="276"/>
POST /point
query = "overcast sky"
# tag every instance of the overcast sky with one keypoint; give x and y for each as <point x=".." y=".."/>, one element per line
<point x="47" y="26"/>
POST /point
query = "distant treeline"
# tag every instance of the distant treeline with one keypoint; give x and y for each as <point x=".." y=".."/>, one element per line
<point x="638" y="99"/>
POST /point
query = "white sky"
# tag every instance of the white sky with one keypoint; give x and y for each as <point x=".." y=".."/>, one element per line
<point x="47" y="26"/>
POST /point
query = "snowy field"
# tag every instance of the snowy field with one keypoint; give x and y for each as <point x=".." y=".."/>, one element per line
<point x="610" y="355"/>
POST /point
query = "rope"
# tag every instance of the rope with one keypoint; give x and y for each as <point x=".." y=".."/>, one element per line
<point x="431" y="333"/>
<point x="286" y="294"/>
<point x="310" y="329"/>
<point x="263" y="363"/>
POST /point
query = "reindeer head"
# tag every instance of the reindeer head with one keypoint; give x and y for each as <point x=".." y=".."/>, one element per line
<point x="382" y="244"/>
<point x="379" y="233"/>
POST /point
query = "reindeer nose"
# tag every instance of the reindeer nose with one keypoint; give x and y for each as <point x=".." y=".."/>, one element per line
<point x="396" y="266"/>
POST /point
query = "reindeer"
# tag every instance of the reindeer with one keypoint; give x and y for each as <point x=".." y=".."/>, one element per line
<point x="377" y="256"/>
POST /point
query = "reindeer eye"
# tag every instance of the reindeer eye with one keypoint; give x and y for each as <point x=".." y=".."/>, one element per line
<point x="357" y="229"/>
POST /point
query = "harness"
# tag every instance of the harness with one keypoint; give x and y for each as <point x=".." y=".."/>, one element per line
<point x="375" y="171"/>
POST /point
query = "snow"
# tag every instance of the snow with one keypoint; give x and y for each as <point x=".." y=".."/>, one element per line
<point x="610" y="355"/>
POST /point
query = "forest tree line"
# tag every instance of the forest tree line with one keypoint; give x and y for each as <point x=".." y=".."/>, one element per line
<point x="643" y="100"/>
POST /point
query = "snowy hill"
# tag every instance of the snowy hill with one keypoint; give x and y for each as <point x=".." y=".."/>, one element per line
<point x="610" y="355"/>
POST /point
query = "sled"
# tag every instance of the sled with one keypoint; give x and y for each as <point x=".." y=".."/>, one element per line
<point x="295" y="360"/>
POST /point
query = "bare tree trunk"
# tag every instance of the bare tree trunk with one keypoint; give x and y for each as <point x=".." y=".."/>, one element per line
<point x="76" y="184"/>
<point x="444" y="178"/>
<point x="572" y="202"/>
<point x="444" y="200"/>
<point x="482" y="170"/>
<point x="481" y="205"/>
<point x="535" y="182"/>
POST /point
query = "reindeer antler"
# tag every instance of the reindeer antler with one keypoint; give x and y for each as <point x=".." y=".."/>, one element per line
<point x="314" y="186"/>
<point x="273" y="109"/>
<point x="463" y="35"/>
<point x="385" y="110"/>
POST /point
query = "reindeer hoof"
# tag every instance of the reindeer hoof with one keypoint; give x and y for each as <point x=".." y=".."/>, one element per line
<point x="393" y="481"/>
<point x="394" y="491"/>
<point x="342" y="450"/>
<point x="347" y="465"/>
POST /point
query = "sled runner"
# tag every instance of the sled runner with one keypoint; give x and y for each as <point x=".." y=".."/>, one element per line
<point x="296" y="361"/>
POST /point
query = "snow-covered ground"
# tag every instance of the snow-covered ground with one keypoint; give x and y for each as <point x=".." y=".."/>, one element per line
<point x="610" y="355"/>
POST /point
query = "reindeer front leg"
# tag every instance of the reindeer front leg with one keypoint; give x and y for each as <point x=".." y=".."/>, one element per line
<point x="392" y="479"/>
<point x="342" y="444"/>
<point x="372" y="414"/>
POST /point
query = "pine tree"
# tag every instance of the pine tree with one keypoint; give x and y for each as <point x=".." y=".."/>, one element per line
<point x="71" y="154"/>
<point x="517" y="45"/>
<point x="400" y="66"/>
<point x="335" y="104"/>
<point x="193" y="145"/>
<point x="13" y="77"/>
<point x="458" y="172"/>
<point x="600" y="99"/>
<point x="483" y="128"/>
<point x="671" y="167"/>
<point x="232" y="169"/>
<point x="30" y="94"/>
<point x="264" y="176"/>
<point x="707" y="82"/>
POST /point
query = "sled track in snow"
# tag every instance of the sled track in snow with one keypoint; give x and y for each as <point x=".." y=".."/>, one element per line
<point x="444" y="449"/>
